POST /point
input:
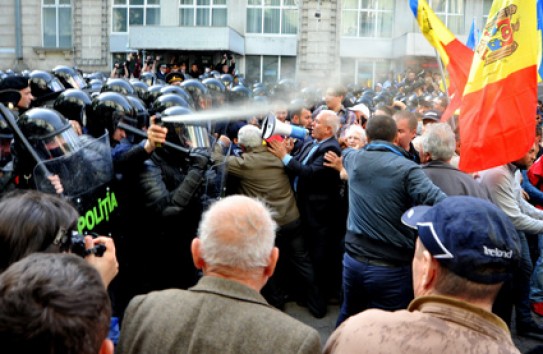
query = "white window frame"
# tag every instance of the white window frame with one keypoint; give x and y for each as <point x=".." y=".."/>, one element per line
<point x="281" y="7"/>
<point x="376" y="11"/>
<point x="126" y="5"/>
<point x="57" y="6"/>
<point x="447" y="15"/>
<point x="194" y="6"/>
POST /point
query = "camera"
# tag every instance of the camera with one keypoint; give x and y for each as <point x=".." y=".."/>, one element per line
<point x="318" y="14"/>
<point x="77" y="246"/>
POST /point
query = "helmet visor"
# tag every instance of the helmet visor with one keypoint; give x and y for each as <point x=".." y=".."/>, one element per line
<point x="62" y="144"/>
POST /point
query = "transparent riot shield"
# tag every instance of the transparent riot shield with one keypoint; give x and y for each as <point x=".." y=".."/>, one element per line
<point x="81" y="171"/>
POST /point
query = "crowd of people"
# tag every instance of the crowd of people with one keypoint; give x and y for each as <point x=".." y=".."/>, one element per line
<point x="197" y="229"/>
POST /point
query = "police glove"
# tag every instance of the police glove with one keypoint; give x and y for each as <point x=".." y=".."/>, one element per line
<point x="199" y="158"/>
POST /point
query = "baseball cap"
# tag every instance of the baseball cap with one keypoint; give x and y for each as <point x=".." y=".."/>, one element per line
<point x="431" y="115"/>
<point x="362" y="108"/>
<point x="469" y="236"/>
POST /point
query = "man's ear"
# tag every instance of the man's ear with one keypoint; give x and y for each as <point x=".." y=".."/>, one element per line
<point x="195" y="248"/>
<point x="431" y="268"/>
<point x="270" y="268"/>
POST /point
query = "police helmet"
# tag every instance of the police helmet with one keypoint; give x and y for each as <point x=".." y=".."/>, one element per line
<point x="50" y="134"/>
<point x="140" y="88"/>
<point x="227" y="80"/>
<point x="148" y="78"/>
<point x="194" y="135"/>
<point x="168" y="100"/>
<point x="215" y="74"/>
<point x="178" y="90"/>
<point x="121" y="86"/>
<point x="240" y="93"/>
<point x="74" y="104"/>
<point x="108" y="110"/>
<point x="95" y="85"/>
<point x="69" y="77"/>
<point x="142" y="114"/>
<point x="44" y="86"/>
<point x="198" y="91"/>
<point x="153" y="93"/>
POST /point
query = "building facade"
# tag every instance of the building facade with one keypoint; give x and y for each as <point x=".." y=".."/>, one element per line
<point x="357" y="41"/>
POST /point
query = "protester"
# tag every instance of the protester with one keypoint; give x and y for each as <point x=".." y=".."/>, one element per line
<point x="53" y="304"/>
<point x="378" y="247"/>
<point x="223" y="313"/>
<point x="466" y="248"/>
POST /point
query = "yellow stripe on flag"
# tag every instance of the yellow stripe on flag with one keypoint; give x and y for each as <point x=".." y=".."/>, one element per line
<point x="508" y="43"/>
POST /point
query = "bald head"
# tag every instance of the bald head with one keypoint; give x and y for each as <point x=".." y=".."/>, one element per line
<point x="237" y="232"/>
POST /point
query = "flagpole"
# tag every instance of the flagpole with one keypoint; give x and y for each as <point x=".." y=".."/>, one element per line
<point x="442" y="73"/>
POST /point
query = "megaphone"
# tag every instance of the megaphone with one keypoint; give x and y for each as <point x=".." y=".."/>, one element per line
<point x="272" y="126"/>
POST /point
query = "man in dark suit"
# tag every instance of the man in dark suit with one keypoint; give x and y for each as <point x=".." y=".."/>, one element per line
<point x="317" y="190"/>
<point x="224" y="312"/>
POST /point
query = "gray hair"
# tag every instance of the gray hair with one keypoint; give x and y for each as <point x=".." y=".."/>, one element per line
<point x="237" y="232"/>
<point x="438" y="140"/>
<point x="250" y="136"/>
<point x="355" y="129"/>
<point x="331" y="118"/>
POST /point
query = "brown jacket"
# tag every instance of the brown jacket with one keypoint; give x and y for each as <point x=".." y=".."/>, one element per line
<point x="215" y="316"/>
<point x="263" y="176"/>
<point x="431" y="325"/>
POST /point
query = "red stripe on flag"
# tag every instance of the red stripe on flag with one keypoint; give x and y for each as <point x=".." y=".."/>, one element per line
<point x="497" y="123"/>
<point x="460" y="58"/>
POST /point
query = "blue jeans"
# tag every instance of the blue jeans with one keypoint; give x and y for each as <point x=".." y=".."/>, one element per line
<point x="536" y="281"/>
<point x="370" y="286"/>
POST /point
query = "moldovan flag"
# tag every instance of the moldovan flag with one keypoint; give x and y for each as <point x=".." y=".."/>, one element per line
<point x="456" y="57"/>
<point x="497" y="117"/>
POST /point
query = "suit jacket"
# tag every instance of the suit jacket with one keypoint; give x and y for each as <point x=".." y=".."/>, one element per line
<point x="215" y="316"/>
<point x="318" y="186"/>
<point x="262" y="175"/>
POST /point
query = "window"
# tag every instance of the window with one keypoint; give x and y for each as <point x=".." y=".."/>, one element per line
<point x="270" y="69"/>
<point x="367" y="18"/>
<point x="135" y="12"/>
<point x="451" y="12"/>
<point x="206" y="13"/>
<point x="57" y="23"/>
<point x="272" y="16"/>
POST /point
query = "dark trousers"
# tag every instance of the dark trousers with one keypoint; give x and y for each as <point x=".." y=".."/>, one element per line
<point x="372" y="286"/>
<point x="294" y="268"/>
<point x="517" y="290"/>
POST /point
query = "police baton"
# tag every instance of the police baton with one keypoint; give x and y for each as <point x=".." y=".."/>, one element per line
<point x="8" y="116"/>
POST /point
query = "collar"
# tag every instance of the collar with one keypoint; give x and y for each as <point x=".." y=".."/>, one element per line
<point x="322" y="141"/>
<point x="382" y="145"/>
<point x="228" y="288"/>
<point x="512" y="168"/>
<point x="439" y="164"/>
<point x="454" y="310"/>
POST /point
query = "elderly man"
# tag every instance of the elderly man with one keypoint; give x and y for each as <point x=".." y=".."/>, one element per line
<point x="438" y="145"/>
<point x="261" y="175"/>
<point x="54" y="303"/>
<point x="466" y="249"/>
<point x="317" y="194"/>
<point x="383" y="184"/>
<point x="224" y="312"/>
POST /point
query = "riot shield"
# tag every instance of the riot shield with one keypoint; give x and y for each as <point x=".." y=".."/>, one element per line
<point x="80" y="172"/>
